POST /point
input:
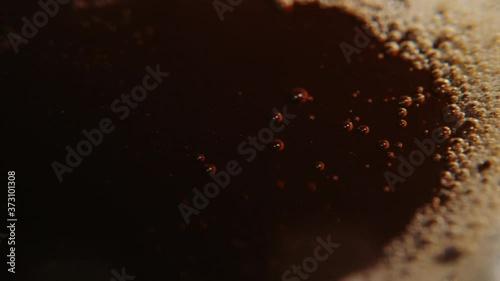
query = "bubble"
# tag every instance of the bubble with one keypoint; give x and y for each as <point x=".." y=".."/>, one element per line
<point x="391" y="48"/>
<point x="200" y="157"/>
<point x="276" y="117"/>
<point x="402" y="112"/>
<point x="363" y="129"/>
<point x="447" y="179"/>
<point x="210" y="168"/>
<point x="347" y="126"/>
<point x="419" y="98"/>
<point x="278" y="145"/>
<point x="391" y="154"/>
<point x="436" y="157"/>
<point x="320" y="166"/>
<point x="453" y="167"/>
<point x="402" y="123"/>
<point x="444" y="132"/>
<point x="452" y="113"/>
<point x="474" y="139"/>
<point x="311" y="117"/>
<point x="383" y="144"/>
<point x="405" y="101"/>
<point x="357" y="118"/>
<point x="463" y="174"/>
<point x="299" y="95"/>
<point x="441" y="86"/>
<point x="450" y="156"/>
<point x="395" y="35"/>
<point x="399" y="145"/>
<point x="467" y="126"/>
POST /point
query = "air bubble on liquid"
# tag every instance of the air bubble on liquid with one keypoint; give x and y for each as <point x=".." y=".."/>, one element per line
<point x="320" y="166"/>
<point x="474" y="140"/>
<point x="402" y="112"/>
<point x="363" y="129"/>
<point x="419" y="98"/>
<point x="277" y="117"/>
<point x="441" y="86"/>
<point x="457" y="142"/>
<point x="399" y="145"/>
<point x="463" y="174"/>
<point x="467" y="126"/>
<point x="383" y="144"/>
<point x="200" y="158"/>
<point x="392" y="48"/>
<point x="444" y="132"/>
<point x="402" y="123"/>
<point x="299" y="95"/>
<point x="452" y="113"/>
<point x="277" y="145"/>
<point x="447" y="179"/>
<point x="347" y="126"/>
<point x="453" y="167"/>
<point x="210" y="168"/>
<point x="450" y="156"/>
<point x="405" y="101"/>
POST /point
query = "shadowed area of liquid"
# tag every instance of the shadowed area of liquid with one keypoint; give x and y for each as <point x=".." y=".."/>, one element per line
<point x="119" y="208"/>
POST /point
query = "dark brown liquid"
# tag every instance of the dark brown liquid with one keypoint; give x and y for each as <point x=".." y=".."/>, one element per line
<point x="120" y="207"/>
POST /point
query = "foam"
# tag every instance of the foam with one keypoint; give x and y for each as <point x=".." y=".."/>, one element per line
<point x="457" y="236"/>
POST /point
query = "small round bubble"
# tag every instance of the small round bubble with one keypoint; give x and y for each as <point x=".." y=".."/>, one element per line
<point x="299" y="95"/>
<point x="278" y="145"/>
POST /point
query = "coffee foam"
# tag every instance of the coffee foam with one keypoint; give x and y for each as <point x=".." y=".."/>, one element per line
<point x="457" y="235"/>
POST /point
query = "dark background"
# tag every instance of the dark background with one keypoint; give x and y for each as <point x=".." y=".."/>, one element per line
<point x="119" y="208"/>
